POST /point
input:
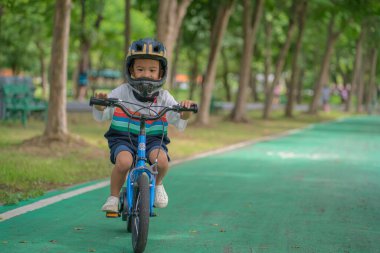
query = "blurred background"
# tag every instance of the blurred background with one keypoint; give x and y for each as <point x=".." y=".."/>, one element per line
<point x="237" y="51"/>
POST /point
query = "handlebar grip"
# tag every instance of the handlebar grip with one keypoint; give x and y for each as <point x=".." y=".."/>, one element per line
<point x="194" y="108"/>
<point x="99" y="101"/>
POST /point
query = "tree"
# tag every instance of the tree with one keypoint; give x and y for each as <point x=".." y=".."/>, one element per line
<point x="169" y="21"/>
<point x="322" y="79"/>
<point x="296" y="6"/>
<point x="86" y="36"/>
<point x="268" y="27"/>
<point x="56" y="125"/>
<point x="127" y="23"/>
<point x="356" y="71"/>
<point x="218" y="29"/>
<point x="295" y="69"/>
<point x="374" y="33"/>
<point x="23" y="32"/>
<point x="226" y="71"/>
<point x="251" y="23"/>
<point x="372" y="89"/>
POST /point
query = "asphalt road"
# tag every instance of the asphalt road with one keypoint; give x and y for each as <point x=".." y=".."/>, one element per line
<point x="316" y="190"/>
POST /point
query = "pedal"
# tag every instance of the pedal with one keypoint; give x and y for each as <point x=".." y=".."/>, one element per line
<point x="112" y="215"/>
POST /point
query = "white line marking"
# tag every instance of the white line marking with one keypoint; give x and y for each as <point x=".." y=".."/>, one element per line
<point x="48" y="201"/>
<point x="51" y="200"/>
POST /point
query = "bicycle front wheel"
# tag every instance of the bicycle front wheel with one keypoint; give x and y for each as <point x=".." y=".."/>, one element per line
<point x="140" y="217"/>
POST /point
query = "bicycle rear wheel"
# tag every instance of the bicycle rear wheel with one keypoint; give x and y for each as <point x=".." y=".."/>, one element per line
<point x="140" y="217"/>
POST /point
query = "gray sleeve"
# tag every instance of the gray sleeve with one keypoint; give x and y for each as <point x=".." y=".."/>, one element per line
<point x="108" y="112"/>
<point x="173" y="117"/>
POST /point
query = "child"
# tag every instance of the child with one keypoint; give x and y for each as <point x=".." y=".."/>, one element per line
<point x="146" y="69"/>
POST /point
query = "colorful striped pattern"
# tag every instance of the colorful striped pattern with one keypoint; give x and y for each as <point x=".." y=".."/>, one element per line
<point x="120" y="123"/>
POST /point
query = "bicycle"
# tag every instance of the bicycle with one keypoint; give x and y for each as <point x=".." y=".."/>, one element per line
<point x="137" y="196"/>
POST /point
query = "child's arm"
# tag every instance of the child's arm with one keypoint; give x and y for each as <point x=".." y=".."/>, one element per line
<point x="179" y="120"/>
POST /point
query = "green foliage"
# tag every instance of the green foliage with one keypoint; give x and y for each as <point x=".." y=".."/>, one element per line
<point x="23" y="24"/>
<point x="26" y="33"/>
<point x="108" y="51"/>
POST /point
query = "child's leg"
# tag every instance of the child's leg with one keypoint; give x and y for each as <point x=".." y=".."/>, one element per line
<point x="161" y="198"/>
<point x="124" y="161"/>
<point x="163" y="163"/>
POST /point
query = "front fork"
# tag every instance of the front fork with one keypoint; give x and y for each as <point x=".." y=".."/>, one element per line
<point x="130" y="188"/>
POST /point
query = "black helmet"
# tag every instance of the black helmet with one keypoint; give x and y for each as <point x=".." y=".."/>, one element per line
<point x="146" y="49"/>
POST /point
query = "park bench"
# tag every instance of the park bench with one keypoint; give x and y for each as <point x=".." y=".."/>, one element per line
<point x="19" y="102"/>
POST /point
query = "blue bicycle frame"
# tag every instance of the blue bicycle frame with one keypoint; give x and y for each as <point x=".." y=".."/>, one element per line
<point x="140" y="168"/>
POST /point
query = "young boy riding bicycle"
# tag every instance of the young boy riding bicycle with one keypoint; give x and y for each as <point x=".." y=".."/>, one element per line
<point x="146" y="70"/>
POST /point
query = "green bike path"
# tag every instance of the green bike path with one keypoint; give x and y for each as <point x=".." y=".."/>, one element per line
<point x="317" y="190"/>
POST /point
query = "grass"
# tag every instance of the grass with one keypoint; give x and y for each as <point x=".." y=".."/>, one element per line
<point x="27" y="171"/>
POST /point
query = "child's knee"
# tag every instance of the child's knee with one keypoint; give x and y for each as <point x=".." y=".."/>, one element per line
<point x="162" y="159"/>
<point x="124" y="161"/>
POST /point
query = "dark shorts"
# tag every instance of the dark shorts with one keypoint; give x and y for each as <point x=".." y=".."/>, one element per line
<point x="127" y="146"/>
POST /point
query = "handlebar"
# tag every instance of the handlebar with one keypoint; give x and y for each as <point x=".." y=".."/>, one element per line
<point x="115" y="102"/>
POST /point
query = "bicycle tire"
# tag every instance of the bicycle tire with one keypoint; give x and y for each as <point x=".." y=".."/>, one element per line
<point x="123" y="204"/>
<point x="129" y="216"/>
<point x="129" y="224"/>
<point x="140" y="217"/>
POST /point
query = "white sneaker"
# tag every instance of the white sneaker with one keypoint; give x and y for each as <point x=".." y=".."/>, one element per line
<point x="111" y="205"/>
<point x="161" y="199"/>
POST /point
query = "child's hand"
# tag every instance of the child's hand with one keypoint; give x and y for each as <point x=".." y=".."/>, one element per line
<point x="100" y="95"/>
<point x="186" y="104"/>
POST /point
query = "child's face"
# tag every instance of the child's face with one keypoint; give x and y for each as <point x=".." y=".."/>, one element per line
<point x="146" y="68"/>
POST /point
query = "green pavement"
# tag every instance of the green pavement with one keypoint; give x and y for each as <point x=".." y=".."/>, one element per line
<point x="317" y="190"/>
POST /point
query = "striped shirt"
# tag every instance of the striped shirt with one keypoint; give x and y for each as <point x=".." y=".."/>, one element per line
<point x="121" y="125"/>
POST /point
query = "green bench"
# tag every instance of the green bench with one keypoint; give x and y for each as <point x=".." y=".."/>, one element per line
<point x="19" y="102"/>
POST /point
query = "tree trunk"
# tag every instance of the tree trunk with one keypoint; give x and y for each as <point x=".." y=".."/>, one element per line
<point x="170" y="17"/>
<point x="250" y="25"/>
<point x="218" y="29"/>
<point x="361" y="85"/>
<point x="281" y="60"/>
<point x="372" y="96"/>
<point x="127" y="30"/>
<point x="356" y="71"/>
<point x="56" y="125"/>
<point x="85" y="46"/>
<point x="268" y="54"/>
<point x="43" y="72"/>
<point x="295" y="69"/>
<point x="194" y="71"/>
<point x="253" y="85"/>
<point x="299" y="86"/>
<point x="226" y="71"/>
<point x="173" y="72"/>
<point x="323" y="74"/>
